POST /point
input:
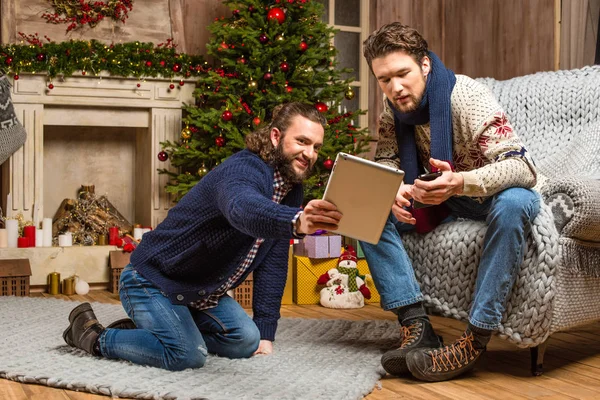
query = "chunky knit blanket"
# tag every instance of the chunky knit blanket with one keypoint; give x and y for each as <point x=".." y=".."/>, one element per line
<point x="557" y="115"/>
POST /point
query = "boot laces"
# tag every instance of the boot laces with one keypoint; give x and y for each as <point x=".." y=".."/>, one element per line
<point x="409" y="333"/>
<point x="455" y="355"/>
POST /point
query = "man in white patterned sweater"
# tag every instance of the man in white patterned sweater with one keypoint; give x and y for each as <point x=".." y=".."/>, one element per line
<point x="435" y="121"/>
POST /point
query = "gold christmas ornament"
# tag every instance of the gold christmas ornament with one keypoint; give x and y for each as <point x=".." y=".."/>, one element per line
<point x="252" y="85"/>
<point x="279" y="38"/>
<point x="186" y="133"/>
<point x="202" y="170"/>
<point x="349" y="94"/>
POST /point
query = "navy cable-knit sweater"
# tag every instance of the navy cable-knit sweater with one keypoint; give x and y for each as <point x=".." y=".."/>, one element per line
<point x="206" y="236"/>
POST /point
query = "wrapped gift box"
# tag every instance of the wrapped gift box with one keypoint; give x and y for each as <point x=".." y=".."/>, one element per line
<point x="319" y="246"/>
<point x="307" y="271"/>
<point x="288" y="291"/>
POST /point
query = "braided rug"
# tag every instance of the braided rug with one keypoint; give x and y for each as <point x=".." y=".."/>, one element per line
<point x="313" y="359"/>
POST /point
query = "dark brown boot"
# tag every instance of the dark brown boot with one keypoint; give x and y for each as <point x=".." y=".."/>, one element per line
<point x="84" y="328"/>
<point x="416" y="333"/>
<point x="441" y="364"/>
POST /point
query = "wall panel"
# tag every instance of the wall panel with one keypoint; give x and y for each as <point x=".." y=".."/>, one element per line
<point x="479" y="38"/>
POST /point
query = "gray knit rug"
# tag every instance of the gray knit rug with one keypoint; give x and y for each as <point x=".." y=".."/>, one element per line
<point x="313" y="359"/>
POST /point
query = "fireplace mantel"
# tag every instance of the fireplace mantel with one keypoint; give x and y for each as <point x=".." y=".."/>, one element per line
<point x="99" y="101"/>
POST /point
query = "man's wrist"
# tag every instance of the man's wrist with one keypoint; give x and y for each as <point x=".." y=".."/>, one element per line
<point x="296" y="226"/>
<point x="460" y="183"/>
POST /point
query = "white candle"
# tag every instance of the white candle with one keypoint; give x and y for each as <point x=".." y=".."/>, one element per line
<point x="137" y="233"/>
<point x="39" y="238"/>
<point x="12" y="231"/>
<point x="65" y="240"/>
<point x="3" y="239"/>
<point x="47" y="232"/>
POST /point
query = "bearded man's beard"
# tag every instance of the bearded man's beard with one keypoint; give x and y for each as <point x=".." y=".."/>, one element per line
<point x="408" y="108"/>
<point x="284" y="164"/>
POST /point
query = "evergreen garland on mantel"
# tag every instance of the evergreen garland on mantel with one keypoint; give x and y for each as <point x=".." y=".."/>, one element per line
<point x="93" y="57"/>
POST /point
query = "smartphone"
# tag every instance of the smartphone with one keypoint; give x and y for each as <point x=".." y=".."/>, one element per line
<point x="426" y="177"/>
<point x="430" y="176"/>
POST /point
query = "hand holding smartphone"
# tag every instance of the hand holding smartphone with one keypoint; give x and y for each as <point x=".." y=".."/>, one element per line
<point x="426" y="177"/>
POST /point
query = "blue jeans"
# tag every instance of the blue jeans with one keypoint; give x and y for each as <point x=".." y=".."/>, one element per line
<point x="175" y="337"/>
<point x="508" y="215"/>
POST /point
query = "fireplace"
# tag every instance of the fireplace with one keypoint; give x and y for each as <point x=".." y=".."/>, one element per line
<point x="100" y="131"/>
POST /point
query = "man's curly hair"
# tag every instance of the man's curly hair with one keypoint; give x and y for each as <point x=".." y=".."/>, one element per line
<point x="394" y="37"/>
<point x="259" y="141"/>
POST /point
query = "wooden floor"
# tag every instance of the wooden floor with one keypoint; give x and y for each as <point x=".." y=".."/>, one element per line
<point x="572" y="365"/>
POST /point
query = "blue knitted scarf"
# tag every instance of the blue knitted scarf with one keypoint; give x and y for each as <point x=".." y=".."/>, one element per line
<point x="435" y="109"/>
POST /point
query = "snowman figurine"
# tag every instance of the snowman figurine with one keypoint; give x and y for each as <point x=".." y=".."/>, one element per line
<point x="344" y="286"/>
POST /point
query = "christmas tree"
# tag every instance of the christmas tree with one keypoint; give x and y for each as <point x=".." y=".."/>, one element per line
<point x="268" y="53"/>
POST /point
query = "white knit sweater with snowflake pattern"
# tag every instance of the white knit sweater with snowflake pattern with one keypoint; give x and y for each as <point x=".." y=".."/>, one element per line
<point x="486" y="150"/>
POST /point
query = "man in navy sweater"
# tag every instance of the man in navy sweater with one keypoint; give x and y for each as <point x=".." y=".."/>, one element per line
<point x="238" y="219"/>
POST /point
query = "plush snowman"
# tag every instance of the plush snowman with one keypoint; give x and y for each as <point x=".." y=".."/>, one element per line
<point x="344" y="286"/>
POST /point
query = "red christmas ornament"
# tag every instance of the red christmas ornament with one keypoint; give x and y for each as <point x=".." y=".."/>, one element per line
<point x="303" y="46"/>
<point x="321" y="107"/>
<point x="236" y="13"/>
<point x="16" y="77"/>
<point x="8" y="60"/>
<point x="267" y="76"/>
<point x="181" y="83"/>
<point x="148" y="64"/>
<point x="284" y="66"/>
<point x="41" y="57"/>
<point x="139" y="85"/>
<point x="171" y="86"/>
<point x="163" y="63"/>
<point x="163" y="156"/>
<point x="263" y="39"/>
<point x="251" y="9"/>
<point x="50" y="86"/>
<point x="289" y="89"/>
<point x="256" y="121"/>
<point x="176" y="67"/>
<point x="220" y="141"/>
<point x="241" y="60"/>
<point x="227" y="115"/>
<point x="276" y="14"/>
<point x="328" y="164"/>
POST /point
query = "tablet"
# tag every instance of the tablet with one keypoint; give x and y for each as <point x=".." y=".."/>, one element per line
<point x="364" y="192"/>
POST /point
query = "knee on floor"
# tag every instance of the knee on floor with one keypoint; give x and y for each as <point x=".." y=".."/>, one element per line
<point x="243" y="343"/>
<point x="178" y="360"/>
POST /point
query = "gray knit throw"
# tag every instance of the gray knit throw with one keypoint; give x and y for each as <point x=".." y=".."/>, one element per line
<point x="12" y="133"/>
<point x="557" y="115"/>
<point x="313" y="359"/>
